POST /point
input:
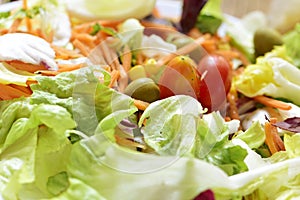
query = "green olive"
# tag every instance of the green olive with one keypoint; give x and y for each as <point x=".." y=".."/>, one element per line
<point x="265" y="39"/>
<point x="143" y="89"/>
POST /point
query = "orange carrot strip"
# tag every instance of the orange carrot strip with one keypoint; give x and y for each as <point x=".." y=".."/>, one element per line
<point x="64" y="53"/>
<point x="209" y="45"/>
<point x="86" y="39"/>
<point x="114" y="77"/>
<point x="156" y="13"/>
<point x="15" y="25"/>
<point x="22" y="88"/>
<point x="278" y="141"/>
<point x="127" y="142"/>
<point x="139" y="58"/>
<point x="47" y="72"/>
<point x="88" y="27"/>
<point x="4" y="31"/>
<point x="272" y="102"/>
<point x="141" y="105"/>
<point x="26" y="66"/>
<point x="108" y="57"/>
<point x="69" y="67"/>
<point x="183" y="50"/>
<point x="149" y="24"/>
<point x="195" y="33"/>
<point x="82" y="48"/>
<point x="269" y="129"/>
<point x="228" y="54"/>
<point x="11" y="92"/>
<point x="233" y="110"/>
<point x="127" y="56"/>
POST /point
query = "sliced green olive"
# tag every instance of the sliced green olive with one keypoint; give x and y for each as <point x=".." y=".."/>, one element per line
<point x="143" y="89"/>
<point x="265" y="39"/>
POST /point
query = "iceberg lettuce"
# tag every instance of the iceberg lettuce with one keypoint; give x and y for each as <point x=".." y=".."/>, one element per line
<point x="272" y="76"/>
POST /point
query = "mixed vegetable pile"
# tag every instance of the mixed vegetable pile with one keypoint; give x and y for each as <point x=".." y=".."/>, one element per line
<point x="113" y="101"/>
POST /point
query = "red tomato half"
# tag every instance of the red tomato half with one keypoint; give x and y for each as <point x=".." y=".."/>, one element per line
<point x="179" y="77"/>
<point x="215" y="82"/>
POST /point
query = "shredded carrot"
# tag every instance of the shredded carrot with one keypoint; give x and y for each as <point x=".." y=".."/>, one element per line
<point x="8" y="92"/>
<point x="195" y="33"/>
<point x="85" y="38"/>
<point x="183" y="50"/>
<point x="273" y="140"/>
<point x="26" y="66"/>
<point x="3" y="31"/>
<point x="272" y="102"/>
<point x="114" y="77"/>
<point x="269" y="138"/>
<point x="47" y="72"/>
<point x="63" y="53"/>
<point x="228" y="54"/>
<point x="69" y="67"/>
<point x="31" y="81"/>
<point x="15" y="25"/>
<point x="233" y="110"/>
<point x="88" y="27"/>
<point x="24" y="4"/>
<point x="108" y="57"/>
<point x="22" y="88"/>
<point x="128" y="142"/>
<point x="123" y="80"/>
<point x="100" y="36"/>
<point x="149" y="24"/>
<point x="156" y="13"/>
<point x="82" y="48"/>
<point x="141" y="105"/>
<point x="210" y="45"/>
<point x="127" y="56"/>
<point x="139" y="58"/>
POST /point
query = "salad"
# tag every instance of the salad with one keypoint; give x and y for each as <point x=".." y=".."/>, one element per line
<point x="112" y="100"/>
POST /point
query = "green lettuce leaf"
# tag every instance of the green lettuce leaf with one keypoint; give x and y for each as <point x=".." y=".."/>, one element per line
<point x="254" y="136"/>
<point x="210" y="17"/>
<point x="96" y="161"/>
<point x="171" y="124"/>
<point x="292" y="43"/>
<point x="77" y="190"/>
<point x="292" y="145"/>
<point x="271" y="76"/>
<point x="212" y="144"/>
<point x="174" y="128"/>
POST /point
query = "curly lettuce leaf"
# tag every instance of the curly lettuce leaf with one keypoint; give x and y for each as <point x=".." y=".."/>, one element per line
<point x="270" y="76"/>
<point x="174" y="128"/>
<point x="171" y="124"/>
<point x="96" y="161"/>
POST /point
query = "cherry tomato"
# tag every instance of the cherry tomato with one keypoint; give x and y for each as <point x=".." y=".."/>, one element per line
<point x="179" y="77"/>
<point x="215" y="82"/>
